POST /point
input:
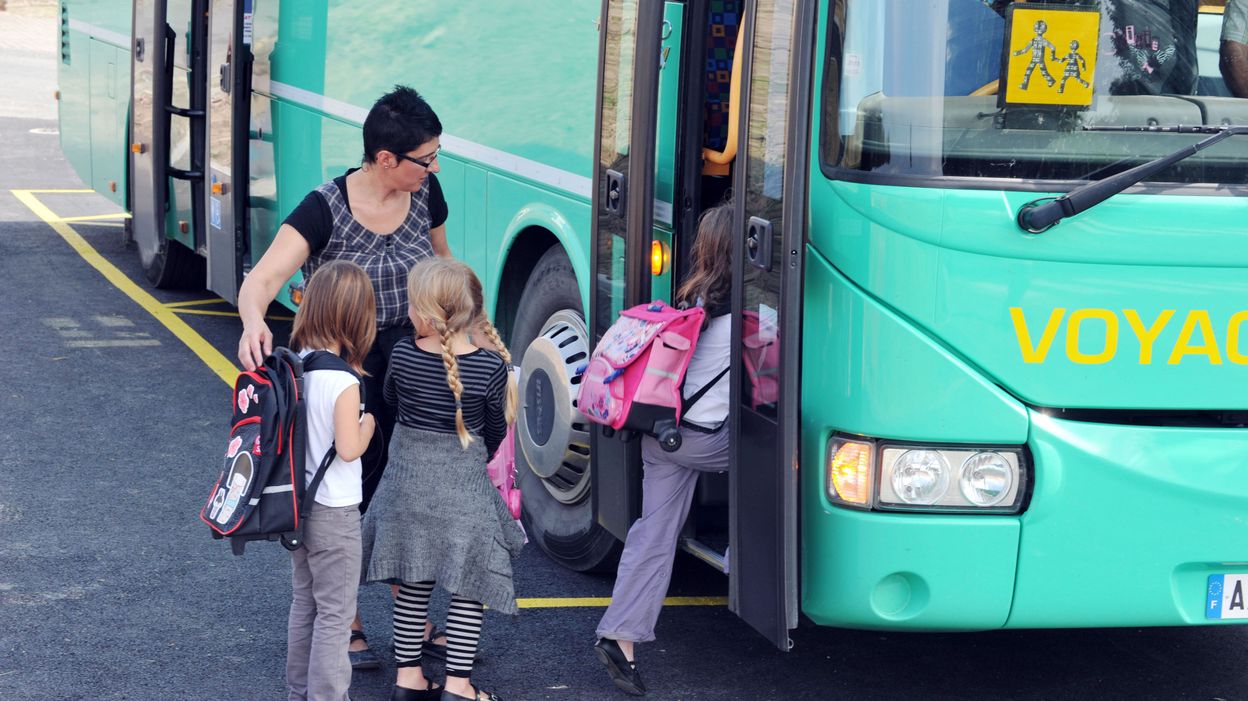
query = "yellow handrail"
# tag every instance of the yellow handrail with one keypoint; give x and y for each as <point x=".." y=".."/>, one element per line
<point x="718" y="162"/>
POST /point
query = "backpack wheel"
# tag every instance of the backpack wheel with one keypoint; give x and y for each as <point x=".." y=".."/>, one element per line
<point x="670" y="439"/>
<point x="291" y="541"/>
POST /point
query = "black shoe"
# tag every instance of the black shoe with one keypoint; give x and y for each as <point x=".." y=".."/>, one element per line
<point x="402" y="693"/>
<point x="363" y="659"/>
<point x="623" y="672"/>
<point x="476" y="696"/>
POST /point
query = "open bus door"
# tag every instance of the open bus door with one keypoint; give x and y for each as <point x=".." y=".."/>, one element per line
<point x="770" y="182"/>
<point x="628" y="69"/>
<point x="188" y="140"/>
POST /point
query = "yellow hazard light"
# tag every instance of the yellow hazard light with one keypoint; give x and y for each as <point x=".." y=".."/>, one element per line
<point x="296" y="294"/>
<point x="138" y="148"/>
<point x="218" y="188"/>
<point x="849" y="471"/>
<point x="660" y="257"/>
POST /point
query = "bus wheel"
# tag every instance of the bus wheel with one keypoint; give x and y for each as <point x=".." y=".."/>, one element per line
<point x="552" y="460"/>
<point x="170" y="265"/>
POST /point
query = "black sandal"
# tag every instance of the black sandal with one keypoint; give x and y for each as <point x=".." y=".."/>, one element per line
<point x="362" y="659"/>
<point x="476" y="696"/>
<point x="402" y="693"/>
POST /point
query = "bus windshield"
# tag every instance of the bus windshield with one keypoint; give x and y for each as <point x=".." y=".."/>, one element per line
<point x="991" y="89"/>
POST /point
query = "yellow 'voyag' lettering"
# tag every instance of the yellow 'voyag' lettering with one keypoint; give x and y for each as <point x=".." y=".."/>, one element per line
<point x="1196" y="336"/>
<point x="1196" y="320"/>
<point x="1111" y="336"/>
<point x="1032" y="353"/>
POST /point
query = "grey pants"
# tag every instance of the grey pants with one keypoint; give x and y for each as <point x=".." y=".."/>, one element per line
<point x="326" y="575"/>
<point x="646" y="565"/>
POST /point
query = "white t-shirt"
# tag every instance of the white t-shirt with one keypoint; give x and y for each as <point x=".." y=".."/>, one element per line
<point x="342" y="484"/>
<point x="710" y="357"/>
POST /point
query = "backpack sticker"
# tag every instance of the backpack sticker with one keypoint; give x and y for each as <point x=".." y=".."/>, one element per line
<point x="255" y="448"/>
<point x="238" y="479"/>
<point x="217" y="501"/>
<point x="234" y="446"/>
<point x="243" y="400"/>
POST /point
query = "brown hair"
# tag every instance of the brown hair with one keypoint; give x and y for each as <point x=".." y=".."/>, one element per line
<point x="338" y="308"/>
<point x="447" y="295"/>
<point x="711" y="276"/>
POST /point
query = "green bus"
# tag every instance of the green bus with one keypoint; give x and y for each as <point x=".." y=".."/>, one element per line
<point x="989" y="289"/>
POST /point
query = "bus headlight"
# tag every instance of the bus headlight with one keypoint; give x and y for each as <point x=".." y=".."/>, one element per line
<point x="986" y="478"/>
<point x="871" y="473"/>
<point x="920" y="476"/>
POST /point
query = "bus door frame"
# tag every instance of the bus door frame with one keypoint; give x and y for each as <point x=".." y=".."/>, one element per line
<point x="763" y="479"/>
<point x="616" y="472"/>
<point x="225" y="201"/>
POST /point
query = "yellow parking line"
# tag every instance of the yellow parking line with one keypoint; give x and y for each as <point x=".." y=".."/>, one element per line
<point x="603" y="601"/>
<point x="195" y="302"/>
<point x="54" y="192"/>
<point x="212" y="312"/>
<point x="217" y="362"/>
<point x="94" y="217"/>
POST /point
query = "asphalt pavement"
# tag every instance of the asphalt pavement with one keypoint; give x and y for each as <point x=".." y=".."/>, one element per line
<point x="110" y="587"/>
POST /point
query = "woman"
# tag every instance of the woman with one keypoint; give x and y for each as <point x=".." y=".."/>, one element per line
<point x="667" y="488"/>
<point x="386" y="216"/>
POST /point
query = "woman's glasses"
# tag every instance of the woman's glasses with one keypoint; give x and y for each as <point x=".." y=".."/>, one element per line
<point x="423" y="163"/>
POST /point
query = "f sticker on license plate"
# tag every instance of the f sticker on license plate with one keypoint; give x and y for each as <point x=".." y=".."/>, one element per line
<point x="1227" y="595"/>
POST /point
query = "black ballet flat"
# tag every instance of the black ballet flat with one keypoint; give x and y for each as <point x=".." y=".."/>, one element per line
<point x="623" y="673"/>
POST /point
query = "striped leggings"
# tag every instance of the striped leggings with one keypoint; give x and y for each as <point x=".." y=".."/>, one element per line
<point x="463" y="628"/>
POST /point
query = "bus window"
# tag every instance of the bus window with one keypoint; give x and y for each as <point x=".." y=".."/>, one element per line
<point x="929" y="105"/>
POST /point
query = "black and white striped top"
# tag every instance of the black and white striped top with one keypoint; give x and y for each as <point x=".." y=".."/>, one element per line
<point x="416" y="384"/>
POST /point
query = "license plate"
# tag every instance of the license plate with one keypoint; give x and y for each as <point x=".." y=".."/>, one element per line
<point x="1227" y="596"/>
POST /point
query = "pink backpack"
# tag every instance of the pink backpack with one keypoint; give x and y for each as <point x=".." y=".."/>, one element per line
<point x="761" y="359"/>
<point x="634" y="377"/>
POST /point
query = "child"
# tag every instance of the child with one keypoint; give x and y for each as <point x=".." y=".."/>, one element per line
<point x="436" y="518"/>
<point x="667" y="486"/>
<point x="337" y="315"/>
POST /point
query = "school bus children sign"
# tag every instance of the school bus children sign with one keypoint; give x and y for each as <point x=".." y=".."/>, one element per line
<point x="1050" y="56"/>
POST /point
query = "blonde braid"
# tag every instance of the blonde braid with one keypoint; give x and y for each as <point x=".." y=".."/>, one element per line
<point x="512" y="402"/>
<point x="452" y="380"/>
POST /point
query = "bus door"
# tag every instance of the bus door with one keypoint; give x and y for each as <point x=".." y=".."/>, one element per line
<point x="769" y="182"/>
<point x="229" y="108"/>
<point x="630" y="33"/>
<point x="167" y="132"/>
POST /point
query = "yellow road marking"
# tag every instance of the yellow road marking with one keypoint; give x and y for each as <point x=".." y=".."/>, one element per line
<point x="603" y="601"/>
<point x="213" y="358"/>
<point x="225" y="369"/>
<point x="94" y="217"/>
<point x="195" y="302"/>
<point x="211" y="312"/>
<point x="109" y="224"/>
<point x="54" y="192"/>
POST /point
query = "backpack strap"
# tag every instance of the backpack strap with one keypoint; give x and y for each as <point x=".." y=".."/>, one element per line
<point x="686" y="404"/>
<point x="324" y="360"/>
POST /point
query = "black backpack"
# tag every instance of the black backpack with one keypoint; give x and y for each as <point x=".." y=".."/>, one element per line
<point x="260" y="494"/>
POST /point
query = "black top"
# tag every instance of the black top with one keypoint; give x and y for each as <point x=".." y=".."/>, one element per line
<point x="313" y="219"/>
<point x="416" y="384"/>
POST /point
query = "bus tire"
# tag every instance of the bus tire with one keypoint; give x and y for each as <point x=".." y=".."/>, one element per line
<point x="549" y="341"/>
<point x="175" y="267"/>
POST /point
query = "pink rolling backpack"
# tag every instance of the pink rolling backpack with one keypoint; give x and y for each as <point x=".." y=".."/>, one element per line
<point x="633" y="380"/>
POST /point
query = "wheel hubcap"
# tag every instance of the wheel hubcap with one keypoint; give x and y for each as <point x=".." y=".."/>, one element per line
<point x="553" y="435"/>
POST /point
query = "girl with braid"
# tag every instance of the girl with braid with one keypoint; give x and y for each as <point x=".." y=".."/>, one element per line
<point x="436" y="517"/>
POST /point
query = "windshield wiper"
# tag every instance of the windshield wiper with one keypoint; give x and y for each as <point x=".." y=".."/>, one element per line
<point x="1040" y="215"/>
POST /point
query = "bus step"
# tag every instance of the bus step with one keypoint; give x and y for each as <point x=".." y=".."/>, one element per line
<point x="705" y="553"/>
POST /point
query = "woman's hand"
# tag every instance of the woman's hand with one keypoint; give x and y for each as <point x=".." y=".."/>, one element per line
<point x="255" y="343"/>
<point x="288" y="251"/>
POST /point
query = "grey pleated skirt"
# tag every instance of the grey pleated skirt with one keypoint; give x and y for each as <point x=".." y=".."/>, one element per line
<point x="436" y="516"/>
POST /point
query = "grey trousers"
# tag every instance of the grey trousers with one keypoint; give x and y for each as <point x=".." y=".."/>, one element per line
<point x="646" y="565"/>
<point x="326" y="576"/>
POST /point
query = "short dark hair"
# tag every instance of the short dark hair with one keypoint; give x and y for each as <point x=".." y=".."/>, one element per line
<point x="399" y="121"/>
